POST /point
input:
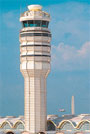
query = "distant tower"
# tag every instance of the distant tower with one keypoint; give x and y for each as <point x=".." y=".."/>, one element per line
<point x="35" y="55"/>
<point x="72" y="106"/>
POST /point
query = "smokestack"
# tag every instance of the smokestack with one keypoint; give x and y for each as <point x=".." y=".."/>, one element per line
<point x="72" y="106"/>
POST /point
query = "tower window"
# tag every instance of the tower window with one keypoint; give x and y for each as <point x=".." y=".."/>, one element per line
<point x="35" y="23"/>
<point x="44" y="24"/>
<point x="25" y="24"/>
<point x="35" y="34"/>
<point x="38" y="23"/>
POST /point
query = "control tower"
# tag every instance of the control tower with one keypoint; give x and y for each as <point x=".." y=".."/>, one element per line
<point x="35" y="58"/>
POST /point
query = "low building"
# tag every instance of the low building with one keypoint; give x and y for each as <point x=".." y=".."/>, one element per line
<point x="66" y="124"/>
<point x="70" y="124"/>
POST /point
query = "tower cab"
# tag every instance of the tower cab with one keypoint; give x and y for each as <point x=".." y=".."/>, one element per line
<point x="35" y="23"/>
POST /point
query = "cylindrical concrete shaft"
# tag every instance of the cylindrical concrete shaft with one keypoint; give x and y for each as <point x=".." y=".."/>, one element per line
<point x="35" y="103"/>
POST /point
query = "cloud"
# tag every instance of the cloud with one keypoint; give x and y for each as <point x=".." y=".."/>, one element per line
<point x="70" y="23"/>
<point x="11" y="19"/>
<point x="8" y="19"/>
<point x="68" y="58"/>
<point x="70" y="29"/>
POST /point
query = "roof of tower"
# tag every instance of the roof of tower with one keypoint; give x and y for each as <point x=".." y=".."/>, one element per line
<point x="34" y="7"/>
<point x="35" y="12"/>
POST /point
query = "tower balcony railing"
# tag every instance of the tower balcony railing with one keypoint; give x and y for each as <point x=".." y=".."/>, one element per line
<point x="35" y="14"/>
<point x="39" y="59"/>
<point x="25" y="29"/>
<point x="35" y="39"/>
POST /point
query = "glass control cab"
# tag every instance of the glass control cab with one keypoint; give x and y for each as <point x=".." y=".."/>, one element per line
<point x="35" y="23"/>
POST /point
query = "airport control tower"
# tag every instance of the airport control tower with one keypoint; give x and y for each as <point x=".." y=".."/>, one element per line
<point x="35" y="55"/>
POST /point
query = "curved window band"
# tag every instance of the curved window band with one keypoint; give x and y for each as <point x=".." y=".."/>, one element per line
<point x="35" y="46"/>
<point x="46" y="31"/>
<point x="35" y="34"/>
<point x="35" y="23"/>
<point x="35" y="55"/>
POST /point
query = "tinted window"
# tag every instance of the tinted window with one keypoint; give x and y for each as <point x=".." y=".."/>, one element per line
<point x="25" y="24"/>
<point x="38" y="23"/>
<point x="35" y="23"/>
<point x="30" y="23"/>
<point x="35" y="34"/>
<point x="44" y="24"/>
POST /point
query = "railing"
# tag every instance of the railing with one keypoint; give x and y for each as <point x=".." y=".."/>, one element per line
<point x="36" y="14"/>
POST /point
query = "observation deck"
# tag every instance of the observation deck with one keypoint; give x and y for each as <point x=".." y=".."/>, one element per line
<point x="35" y="12"/>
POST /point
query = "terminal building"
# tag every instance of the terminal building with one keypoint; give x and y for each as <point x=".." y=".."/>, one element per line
<point x="66" y="124"/>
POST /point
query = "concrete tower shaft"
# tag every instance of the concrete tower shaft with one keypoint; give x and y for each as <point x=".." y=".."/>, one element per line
<point x="35" y="59"/>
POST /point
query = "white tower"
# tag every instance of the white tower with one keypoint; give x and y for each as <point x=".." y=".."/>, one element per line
<point x="35" y="40"/>
<point x="72" y="106"/>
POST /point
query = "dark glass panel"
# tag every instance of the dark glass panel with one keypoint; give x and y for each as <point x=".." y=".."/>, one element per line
<point x="38" y="23"/>
<point x="44" y="24"/>
<point x="50" y="126"/>
<point x="47" y="23"/>
<point x="35" y="34"/>
<point x="25" y="24"/>
<point x="35" y="55"/>
<point x="35" y="23"/>
<point x="30" y="23"/>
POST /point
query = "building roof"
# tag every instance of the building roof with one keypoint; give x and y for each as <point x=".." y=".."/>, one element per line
<point x="75" y="120"/>
<point x="11" y="120"/>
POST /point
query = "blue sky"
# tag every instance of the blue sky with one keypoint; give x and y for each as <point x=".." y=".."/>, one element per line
<point x="70" y="67"/>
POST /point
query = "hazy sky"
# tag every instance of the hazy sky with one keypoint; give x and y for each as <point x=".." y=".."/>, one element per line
<point x="70" y="67"/>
